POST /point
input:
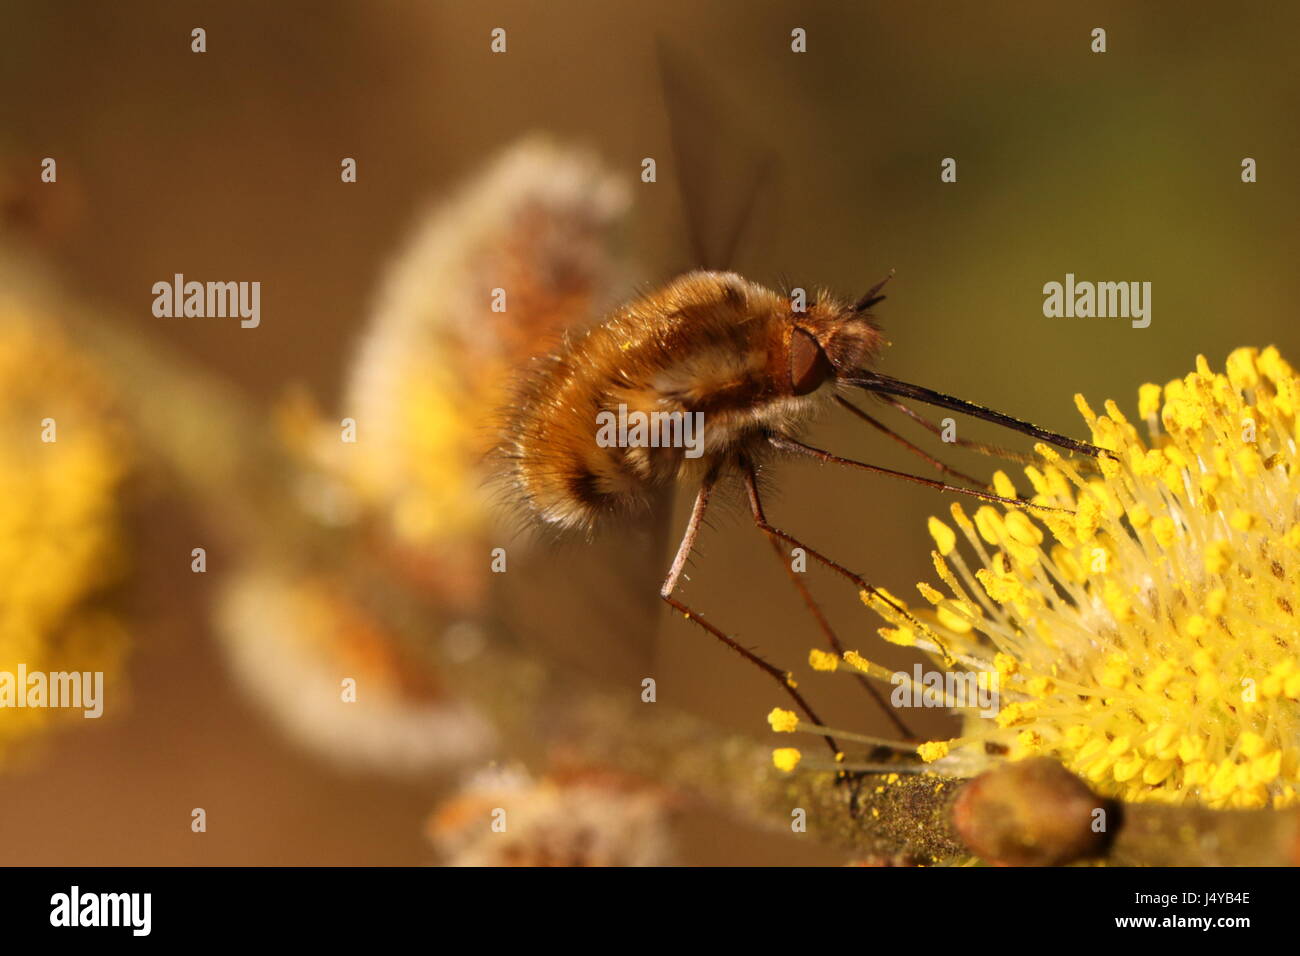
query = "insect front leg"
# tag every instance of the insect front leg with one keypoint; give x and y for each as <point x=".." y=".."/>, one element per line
<point x="760" y="518"/>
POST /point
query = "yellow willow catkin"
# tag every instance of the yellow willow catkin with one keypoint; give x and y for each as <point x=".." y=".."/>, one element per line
<point x="1148" y="639"/>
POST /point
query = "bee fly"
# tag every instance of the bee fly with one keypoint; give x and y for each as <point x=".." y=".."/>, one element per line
<point x="759" y="371"/>
<point x="714" y="347"/>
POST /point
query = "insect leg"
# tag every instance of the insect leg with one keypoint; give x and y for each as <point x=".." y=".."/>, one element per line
<point x="914" y="449"/>
<point x="993" y="451"/>
<point x="831" y="638"/>
<point x="791" y="445"/>
<point x="670" y="585"/>
<point x="760" y="518"/>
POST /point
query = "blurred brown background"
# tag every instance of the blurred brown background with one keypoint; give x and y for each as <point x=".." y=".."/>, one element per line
<point x="1122" y="166"/>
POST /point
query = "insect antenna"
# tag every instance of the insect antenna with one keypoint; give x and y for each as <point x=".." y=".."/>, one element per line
<point x="884" y="385"/>
<point x="870" y="297"/>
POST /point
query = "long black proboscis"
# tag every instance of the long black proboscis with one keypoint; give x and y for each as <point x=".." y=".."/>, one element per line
<point x="876" y="382"/>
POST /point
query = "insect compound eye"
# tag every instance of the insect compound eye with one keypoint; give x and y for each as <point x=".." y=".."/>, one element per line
<point x="809" y="366"/>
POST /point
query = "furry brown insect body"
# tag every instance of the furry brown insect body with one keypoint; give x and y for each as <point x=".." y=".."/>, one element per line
<point x="755" y="370"/>
<point x="708" y="342"/>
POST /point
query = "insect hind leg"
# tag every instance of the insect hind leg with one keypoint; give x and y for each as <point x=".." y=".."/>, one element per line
<point x="669" y="586"/>
<point x="831" y="638"/>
